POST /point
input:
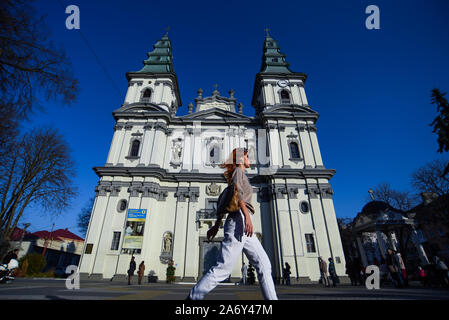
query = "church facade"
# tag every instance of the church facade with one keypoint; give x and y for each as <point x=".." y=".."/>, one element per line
<point x="157" y="191"/>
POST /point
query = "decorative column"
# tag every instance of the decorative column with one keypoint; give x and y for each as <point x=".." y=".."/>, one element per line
<point x="187" y="150"/>
<point x="392" y="240"/>
<point x="137" y="91"/>
<point x="114" y="144"/>
<point x="306" y="145"/>
<point x="146" y="146"/>
<point x="303" y="94"/>
<point x="269" y="97"/>
<point x="115" y="157"/>
<point x="274" y="146"/>
<point x="159" y="133"/>
<point x="381" y="243"/>
<point x="295" y="94"/>
<point x="362" y="252"/>
<point x="130" y="92"/>
<point x="315" y="146"/>
<point x="419" y="247"/>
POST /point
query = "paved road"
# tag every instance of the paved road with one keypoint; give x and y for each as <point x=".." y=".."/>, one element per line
<point x="55" y="289"/>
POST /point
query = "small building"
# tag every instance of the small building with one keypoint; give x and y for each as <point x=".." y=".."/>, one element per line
<point x="433" y="219"/>
<point x="62" y="247"/>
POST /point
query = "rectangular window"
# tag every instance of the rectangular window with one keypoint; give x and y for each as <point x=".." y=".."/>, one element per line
<point x="310" y="242"/>
<point x="115" y="240"/>
<point x="89" y="247"/>
<point x="211" y="204"/>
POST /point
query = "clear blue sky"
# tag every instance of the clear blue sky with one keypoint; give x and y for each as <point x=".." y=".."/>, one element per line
<point x="371" y="87"/>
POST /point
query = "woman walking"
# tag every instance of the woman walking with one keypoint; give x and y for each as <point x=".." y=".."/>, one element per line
<point x="238" y="235"/>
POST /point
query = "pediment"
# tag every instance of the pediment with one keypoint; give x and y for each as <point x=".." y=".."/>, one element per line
<point x="141" y="107"/>
<point x="215" y="113"/>
<point x="289" y="109"/>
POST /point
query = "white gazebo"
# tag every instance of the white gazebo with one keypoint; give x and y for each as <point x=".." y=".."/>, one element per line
<point x="380" y="218"/>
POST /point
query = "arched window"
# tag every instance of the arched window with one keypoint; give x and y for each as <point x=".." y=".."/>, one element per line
<point x="214" y="155"/>
<point x="146" y="96"/>
<point x="275" y="60"/>
<point x="285" y="97"/>
<point x="294" y="150"/>
<point x="135" y="148"/>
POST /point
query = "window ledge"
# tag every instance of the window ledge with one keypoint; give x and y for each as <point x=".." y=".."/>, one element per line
<point x="132" y="157"/>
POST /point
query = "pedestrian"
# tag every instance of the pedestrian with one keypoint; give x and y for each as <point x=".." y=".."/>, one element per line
<point x="244" y="274"/>
<point x="323" y="270"/>
<point x="238" y="234"/>
<point x="132" y="268"/>
<point x="383" y="271"/>
<point x="442" y="271"/>
<point x="393" y="269"/>
<point x="10" y="255"/>
<point x="348" y="270"/>
<point x="332" y="272"/>
<point x="422" y="274"/>
<point x="287" y="274"/>
<point x="141" y="272"/>
<point x="401" y="269"/>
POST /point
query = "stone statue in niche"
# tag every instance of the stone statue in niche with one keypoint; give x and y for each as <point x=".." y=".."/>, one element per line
<point x="177" y="152"/>
<point x="167" y="242"/>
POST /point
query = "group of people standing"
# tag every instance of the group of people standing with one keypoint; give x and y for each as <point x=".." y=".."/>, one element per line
<point x="436" y="273"/>
<point x="392" y="269"/>
<point x="328" y="272"/>
<point x="132" y="268"/>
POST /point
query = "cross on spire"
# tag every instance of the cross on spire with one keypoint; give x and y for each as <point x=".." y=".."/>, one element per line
<point x="266" y="30"/>
<point x="216" y="86"/>
<point x="167" y="29"/>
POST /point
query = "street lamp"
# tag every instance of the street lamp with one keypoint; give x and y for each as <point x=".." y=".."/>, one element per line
<point x="371" y="193"/>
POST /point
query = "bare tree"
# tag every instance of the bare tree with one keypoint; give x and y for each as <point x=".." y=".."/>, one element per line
<point x="429" y="178"/>
<point x="402" y="200"/>
<point x="39" y="171"/>
<point x="84" y="216"/>
<point x="30" y="64"/>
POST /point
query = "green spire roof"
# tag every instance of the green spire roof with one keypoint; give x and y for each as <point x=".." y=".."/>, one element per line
<point x="160" y="59"/>
<point x="272" y="59"/>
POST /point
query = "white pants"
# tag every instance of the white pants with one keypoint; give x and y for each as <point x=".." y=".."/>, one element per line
<point x="231" y="249"/>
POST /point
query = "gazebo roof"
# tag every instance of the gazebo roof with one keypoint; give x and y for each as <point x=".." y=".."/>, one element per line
<point x="379" y="215"/>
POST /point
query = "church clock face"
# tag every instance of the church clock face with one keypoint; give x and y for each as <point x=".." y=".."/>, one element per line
<point x="282" y="83"/>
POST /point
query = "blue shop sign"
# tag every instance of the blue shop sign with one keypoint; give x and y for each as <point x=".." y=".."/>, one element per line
<point x="137" y="214"/>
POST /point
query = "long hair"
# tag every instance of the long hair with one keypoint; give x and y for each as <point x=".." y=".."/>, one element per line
<point x="232" y="162"/>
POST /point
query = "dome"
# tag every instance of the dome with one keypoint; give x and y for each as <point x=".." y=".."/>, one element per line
<point x="375" y="207"/>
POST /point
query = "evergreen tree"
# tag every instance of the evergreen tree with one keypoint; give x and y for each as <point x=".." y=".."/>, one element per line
<point x="441" y="122"/>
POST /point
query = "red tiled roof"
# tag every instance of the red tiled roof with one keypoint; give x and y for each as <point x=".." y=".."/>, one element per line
<point x="57" y="235"/>
<point x="17" y="234"/>
<point x="64" y="233"/>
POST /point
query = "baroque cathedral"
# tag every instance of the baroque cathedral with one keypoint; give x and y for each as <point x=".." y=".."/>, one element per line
<point x="157" y="191"/>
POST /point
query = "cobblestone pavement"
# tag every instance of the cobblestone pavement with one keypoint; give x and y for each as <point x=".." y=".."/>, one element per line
<point x="55" y="289"/>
